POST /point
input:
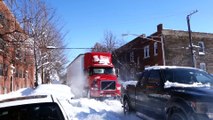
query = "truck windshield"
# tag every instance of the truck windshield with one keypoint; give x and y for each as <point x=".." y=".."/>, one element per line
<point x="188" y="76"/>
<point x="101" y="70"/>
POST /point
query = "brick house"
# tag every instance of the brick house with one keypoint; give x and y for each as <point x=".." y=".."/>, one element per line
<point x="16" y="57"/>
<point x="164" y="47"/>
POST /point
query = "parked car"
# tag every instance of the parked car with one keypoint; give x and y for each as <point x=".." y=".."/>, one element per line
<point x="171" y="93"/>
<point x="36" y="107"/>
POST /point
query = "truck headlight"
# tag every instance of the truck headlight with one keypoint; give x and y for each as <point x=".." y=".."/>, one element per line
<point x="94" y="88"/>
<point x="118" y="88"/>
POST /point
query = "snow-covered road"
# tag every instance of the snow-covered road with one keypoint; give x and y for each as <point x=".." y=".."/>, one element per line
<point x="79" y="109"/>
<point x="90" y="109"/>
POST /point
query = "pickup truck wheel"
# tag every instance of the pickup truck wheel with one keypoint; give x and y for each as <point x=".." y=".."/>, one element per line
<point x="177" y="116"/>
<point x="126" y="107"/>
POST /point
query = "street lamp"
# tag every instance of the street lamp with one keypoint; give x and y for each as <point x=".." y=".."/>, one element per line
<point x="127" y="34"/>
<point x="151" y="39"/>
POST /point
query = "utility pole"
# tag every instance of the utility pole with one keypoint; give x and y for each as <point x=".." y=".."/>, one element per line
<point x="190" y="37"/>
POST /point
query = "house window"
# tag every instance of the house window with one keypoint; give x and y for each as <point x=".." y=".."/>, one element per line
<point x="146" y="51"/>
<point x="2" y="20"/>
<point x="155" y="48"/>
<point x="2" y="44"/>
<point x="131" y="57"/>
<point x="1" y="16"/>
<point x="18" y="54"/>
<point x="1" y="69"/>
<point x="25" y="74"/>
<point x="16" y="73"/>
<point x="203" y="66"/>
<point x="138" y="61"/>
<point x="132" y="71"/>
<point x="201" y="48"/>
<point x="20" y="74"/>
<point x="5" y="69"/>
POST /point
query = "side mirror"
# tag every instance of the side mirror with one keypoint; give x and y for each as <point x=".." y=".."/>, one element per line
<point x="139" y="84"/>
<point x="117" y="72"/>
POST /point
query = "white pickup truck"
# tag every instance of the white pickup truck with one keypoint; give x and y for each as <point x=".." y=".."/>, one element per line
<point x="35" y="107"/>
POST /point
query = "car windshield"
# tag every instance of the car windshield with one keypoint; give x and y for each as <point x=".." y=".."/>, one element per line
<point x="101" y="70"/>
<point x="39" y="111"/>
<point x="188" y="76"/>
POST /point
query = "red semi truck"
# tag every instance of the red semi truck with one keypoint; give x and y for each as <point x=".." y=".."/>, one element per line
<point x="93" y="75"/>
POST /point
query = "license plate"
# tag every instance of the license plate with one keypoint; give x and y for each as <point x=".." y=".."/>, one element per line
<point x="108" y="96"/>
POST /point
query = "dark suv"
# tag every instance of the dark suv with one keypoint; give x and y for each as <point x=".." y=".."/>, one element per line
<point x="171" y="93"/>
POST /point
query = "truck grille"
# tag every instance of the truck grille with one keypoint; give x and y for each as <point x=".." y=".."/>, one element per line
<point x="108" y="85"/>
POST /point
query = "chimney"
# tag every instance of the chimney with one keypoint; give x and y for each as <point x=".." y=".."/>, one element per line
<point x="159" y="28"/>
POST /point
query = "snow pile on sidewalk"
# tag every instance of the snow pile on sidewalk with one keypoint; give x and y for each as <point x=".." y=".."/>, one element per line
<point x="19" y="93"/>
<point x="58" y="90"/>
<point x="78" y="109"/>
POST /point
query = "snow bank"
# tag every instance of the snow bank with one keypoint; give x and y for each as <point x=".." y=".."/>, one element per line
<point x="91" y="109"/>
<point x="168" y="84"/>
<point x="78" y="109"/>
<point x="58" y="90"/>
<point x="19" y="93"/>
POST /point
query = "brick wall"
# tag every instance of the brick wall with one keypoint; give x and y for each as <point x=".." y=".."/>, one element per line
<point x="130" y="67"/>
<point x="176" y="50"/>
<point x="10" y="64"/>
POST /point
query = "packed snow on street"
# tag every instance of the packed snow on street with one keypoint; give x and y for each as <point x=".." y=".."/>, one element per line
<point x="78" y="108"/>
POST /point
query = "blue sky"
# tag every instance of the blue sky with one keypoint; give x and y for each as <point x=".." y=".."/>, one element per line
<point x="86" y="20"/>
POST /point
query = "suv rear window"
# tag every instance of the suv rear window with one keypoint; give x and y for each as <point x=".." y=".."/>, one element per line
<point x="38" y="111"/>
<point x="187" y="76"/>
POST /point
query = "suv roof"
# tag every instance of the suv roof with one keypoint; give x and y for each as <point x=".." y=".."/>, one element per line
<point x="26" y="100"/>
<point x="168" y="67"/>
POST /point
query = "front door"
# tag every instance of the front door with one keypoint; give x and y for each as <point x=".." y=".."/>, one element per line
<point x="156" y="99"/>
<point x="11" y="84"/>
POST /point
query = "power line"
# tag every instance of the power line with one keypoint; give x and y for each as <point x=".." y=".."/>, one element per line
<point x="69" y="48"/>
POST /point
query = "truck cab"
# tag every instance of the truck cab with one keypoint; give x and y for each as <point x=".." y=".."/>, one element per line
<point x="102" y="78"/>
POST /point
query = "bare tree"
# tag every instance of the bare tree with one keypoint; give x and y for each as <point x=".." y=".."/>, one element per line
<point x="41" y="24"/>
<point x="109" y="43"/>
<point x="98" y="48"/>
